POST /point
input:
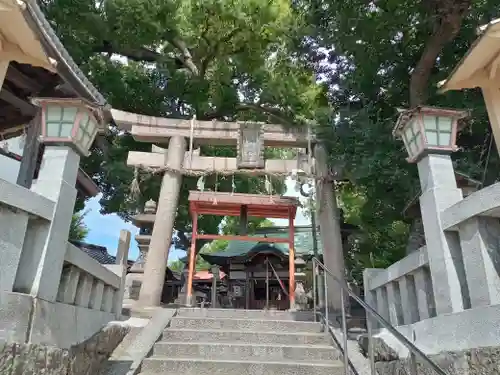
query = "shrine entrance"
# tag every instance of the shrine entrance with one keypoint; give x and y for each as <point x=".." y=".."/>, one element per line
<point x="268" y="283"/>
<point x="184" y="156"/>
<point x="257" y="275"/>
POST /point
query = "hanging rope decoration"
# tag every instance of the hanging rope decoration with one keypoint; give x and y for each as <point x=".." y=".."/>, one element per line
<point x="135" y="188"/>
<point x="269" y="187"/>
<point x="215" y="188"/>
<point x="200" y="184"/>
<point x="233" y="185"/>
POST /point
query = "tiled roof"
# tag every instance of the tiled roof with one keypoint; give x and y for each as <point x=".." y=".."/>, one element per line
<point x="99" y="253"/>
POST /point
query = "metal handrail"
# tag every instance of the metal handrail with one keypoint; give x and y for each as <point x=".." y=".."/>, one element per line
<point x="414" y="351"/>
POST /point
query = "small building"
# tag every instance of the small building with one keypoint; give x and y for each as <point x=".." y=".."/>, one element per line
<point x="245" y="263"/>
<point x="98" y="253"/>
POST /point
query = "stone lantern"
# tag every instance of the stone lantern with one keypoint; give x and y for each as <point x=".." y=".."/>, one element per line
<point x="429" y="135"/>
<point x="70" y="122"/>
<point x="427" y="130"/>
<point x="150" y="207"/>
<point x="68" y="129"/>
<point x="300" y="264"/>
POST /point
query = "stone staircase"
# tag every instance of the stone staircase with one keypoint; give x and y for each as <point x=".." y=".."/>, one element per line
<point x="243" y="342"/>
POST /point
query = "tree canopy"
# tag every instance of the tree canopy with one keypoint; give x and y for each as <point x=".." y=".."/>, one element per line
<point x="344" y="65"/>
<point x="217" y="59"/>
<point x="378" y="56"/>
<point x="78" y="231"/>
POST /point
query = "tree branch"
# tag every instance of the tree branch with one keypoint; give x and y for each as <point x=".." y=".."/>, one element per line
<point x="272" y="112"/>
<point x="136" y="54"/>
<point x="186" y="58"/>
<point x="447" y="24"/>
<point x="215" y="49"/>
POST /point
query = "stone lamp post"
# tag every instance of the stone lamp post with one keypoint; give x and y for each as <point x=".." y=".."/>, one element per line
<point x="69" y="127"/>
<point x="429" y="135"/>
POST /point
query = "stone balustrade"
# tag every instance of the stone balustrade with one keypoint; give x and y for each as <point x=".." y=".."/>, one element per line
<point x="51" y="292"/>
<point x="402" y="293"/>
<point x="86" y="283"/>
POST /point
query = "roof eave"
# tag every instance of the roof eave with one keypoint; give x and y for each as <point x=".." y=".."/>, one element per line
<point x="66" y="67"/>
<point x="452" y="83"/>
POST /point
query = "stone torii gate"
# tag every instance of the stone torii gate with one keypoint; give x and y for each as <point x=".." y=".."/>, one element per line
<point x="183" y="136"/>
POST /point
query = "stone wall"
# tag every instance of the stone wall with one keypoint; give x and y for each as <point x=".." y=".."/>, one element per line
<point x="82" y="359"/>
<point x="481" y="361"/>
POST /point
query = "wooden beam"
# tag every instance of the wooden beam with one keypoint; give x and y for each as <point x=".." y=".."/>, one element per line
<point x="23" y="81"/>
<point x="31" y="151"/>
<point x="209" y="163"/>
<point x="12" y="52"/>
<point x="242" y="238"/>
<point x="24" y="107"/>
<point x="491" y="98"/>
<point x="281" y="214"/>
<point x="243" y="220"/>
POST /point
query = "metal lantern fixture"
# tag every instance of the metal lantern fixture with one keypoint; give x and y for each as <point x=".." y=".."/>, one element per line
<point x="428" y="130"/>
<point x="72" y="122"/>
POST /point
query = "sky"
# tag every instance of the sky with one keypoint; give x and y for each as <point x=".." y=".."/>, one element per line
<point x="104" y="230"/>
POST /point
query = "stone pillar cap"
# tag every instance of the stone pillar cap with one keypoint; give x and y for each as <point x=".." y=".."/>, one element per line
<point x="150" y="207"/>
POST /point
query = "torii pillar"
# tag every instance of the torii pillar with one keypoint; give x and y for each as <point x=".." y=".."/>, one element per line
<point x="156" y="262"/>
<point x="331" y="237"/>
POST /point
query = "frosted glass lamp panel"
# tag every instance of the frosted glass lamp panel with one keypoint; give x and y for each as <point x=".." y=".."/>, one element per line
<point x="431" y="130"/>
<point x="413" y="137"/>
<point x="432" y="138"/>
<point x="445" y="139"/>
<point x="87" y="129"/>
<point x="419" y="143"/>
<point x="445" y="127"/>
<point x="53" y="118"/>
<point x="408" y="135"/>
<point x="67" y="121"/>
<point x="59" y="121"/>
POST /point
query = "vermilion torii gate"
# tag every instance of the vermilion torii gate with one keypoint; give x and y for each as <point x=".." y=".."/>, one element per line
<point x="182" y="157"/>
<point x="244" y="206"/>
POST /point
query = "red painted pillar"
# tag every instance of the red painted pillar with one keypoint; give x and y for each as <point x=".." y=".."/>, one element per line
<point x="192" y="260"/>
<point x="291" y="260"/>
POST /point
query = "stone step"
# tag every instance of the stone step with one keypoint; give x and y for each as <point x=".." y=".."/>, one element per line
<point x="265" y="325"/>
<point x="243" y="351"/>
<point x="246" y="314"/>
<point x="185" y="366"/>
<point x="250" y="337"/>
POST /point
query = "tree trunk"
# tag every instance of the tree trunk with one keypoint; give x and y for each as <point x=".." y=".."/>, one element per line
<point x="448" y="20"/>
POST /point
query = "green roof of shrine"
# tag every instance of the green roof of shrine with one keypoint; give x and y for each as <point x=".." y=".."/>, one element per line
<point x="239" y="250"/>
<point x="242" y="250"/>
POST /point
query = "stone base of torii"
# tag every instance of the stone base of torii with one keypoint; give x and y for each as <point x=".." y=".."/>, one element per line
<point x="179" y="158"/>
